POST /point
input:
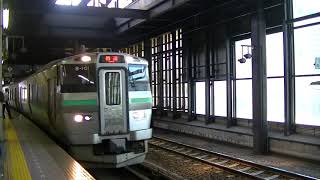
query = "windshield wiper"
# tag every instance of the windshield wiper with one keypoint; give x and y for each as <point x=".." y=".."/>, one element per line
<point x="132" y="81"/>
<point x="138" y="71"/>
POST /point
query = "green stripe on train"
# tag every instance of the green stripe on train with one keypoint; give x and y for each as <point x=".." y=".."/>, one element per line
<point x="79" y="102"/>
<point x="141" y="100"/>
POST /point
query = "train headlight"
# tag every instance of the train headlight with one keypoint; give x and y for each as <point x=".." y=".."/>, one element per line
<point x="87" y="117"/>
<point x="85" y="58"/>
<point x="140" y="114"/>
<point x="78" y="118"/>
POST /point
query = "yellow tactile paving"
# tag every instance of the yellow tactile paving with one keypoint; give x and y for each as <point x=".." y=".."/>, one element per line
<point x="15" y="163"/>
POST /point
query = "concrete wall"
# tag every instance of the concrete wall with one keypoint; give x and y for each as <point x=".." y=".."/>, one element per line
<point x="297" y="146"/>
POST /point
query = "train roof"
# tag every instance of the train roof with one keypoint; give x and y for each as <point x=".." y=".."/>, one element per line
<point x="75" y="59"/>
<point x="94" y="55"/>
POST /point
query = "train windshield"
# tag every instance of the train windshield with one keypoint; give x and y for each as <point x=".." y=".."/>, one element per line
<point x="138" y="77"/>
<point x="78" y="78"/>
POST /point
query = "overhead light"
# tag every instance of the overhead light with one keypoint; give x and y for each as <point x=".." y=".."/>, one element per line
<point x="242" y="60"/>
<point x="5" y="18"/>
<point x="85" y="58"/>
<point x="68" y="2"/>
<point x="248" y="56"/>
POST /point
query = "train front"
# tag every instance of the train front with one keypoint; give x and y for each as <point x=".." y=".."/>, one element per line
<point x="124" y="112"/>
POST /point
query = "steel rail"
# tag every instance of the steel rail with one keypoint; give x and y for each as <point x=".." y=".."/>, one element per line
<point x="226" y="162"/>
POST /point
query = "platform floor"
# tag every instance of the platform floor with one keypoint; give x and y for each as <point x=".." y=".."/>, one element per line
<point x="284" y="162"/>
<point x="30" y="154"/>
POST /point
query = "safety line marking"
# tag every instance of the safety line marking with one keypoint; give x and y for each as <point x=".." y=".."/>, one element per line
<point x="16" y="165"/>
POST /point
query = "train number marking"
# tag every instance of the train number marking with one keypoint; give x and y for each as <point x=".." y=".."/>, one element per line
<point x="81" y="68"/>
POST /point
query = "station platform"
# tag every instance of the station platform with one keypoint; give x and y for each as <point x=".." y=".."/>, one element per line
<point x="28" y="153"/>
<point x="301" y="166"/>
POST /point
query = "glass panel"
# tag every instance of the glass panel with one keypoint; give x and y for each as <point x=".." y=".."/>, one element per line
<point x="78" y="78"/>
<point x="308" y="100"/>
<point x="200" y="98"/>
<point x="244" y="99"/>
<point x="306" y="22"/>
<point x="244" y="70"/>
<point x="113" y="91"/>
<point x="274" y="43"/>
<point x="275" y="99"/>
<point x="274" y="54"/>
<point x="307" y="49"/>
<point x="303" y="8"/>
<point x="220" y="98"/>
<point x="138" y="77"/>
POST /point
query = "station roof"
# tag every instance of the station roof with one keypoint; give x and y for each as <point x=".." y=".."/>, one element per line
<point x="48" y="28"/>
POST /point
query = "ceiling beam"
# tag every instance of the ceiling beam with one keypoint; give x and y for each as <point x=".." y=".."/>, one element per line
<point x="163" y="7"/>
<point x="84" y="2"/>
<point x="86" y="11"/>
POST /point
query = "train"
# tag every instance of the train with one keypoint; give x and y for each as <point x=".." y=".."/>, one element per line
<point x="98" y="105"/>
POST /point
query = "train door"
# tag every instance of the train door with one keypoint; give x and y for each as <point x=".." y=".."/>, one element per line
<point x="113" y="102"/>
<point x="52" y="100"/>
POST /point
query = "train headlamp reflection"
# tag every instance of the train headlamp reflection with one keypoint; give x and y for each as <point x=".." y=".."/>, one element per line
<point x="78" y="118"/>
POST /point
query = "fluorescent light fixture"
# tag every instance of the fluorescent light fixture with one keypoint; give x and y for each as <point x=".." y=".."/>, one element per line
<point x="68" y="2"/>
<point x="5" y="18"/>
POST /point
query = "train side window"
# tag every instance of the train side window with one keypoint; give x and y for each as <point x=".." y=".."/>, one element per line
<point x="24" y="94"/>
<point x="29" y="92"/>
<point x="113" y="93"/>
<point x="15" y="93"/>
<point x="33" y="92"/>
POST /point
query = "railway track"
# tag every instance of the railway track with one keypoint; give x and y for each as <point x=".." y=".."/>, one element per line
<point x="231" y="164"/>
<point x="150" y="171"/>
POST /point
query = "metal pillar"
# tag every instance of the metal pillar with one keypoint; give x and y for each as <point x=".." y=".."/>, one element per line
<point x="207" y="82"/>
<point x="229" y="84"/>
<point x="191" y="94"/>
<point x="147" y="55"/>
<point x="259" y="80"/>
<point x="174" y="75"/>
<point x="289" y="83"/>
<point x="214" y="58"/>
<point x="233" y="78"/>
<point x="160" y="79"/>
<point x="2" y="138"/>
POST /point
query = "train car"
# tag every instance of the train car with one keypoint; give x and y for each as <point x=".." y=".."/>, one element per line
<point x="97" y="104"/>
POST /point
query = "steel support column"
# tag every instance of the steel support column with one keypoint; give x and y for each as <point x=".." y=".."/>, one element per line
<point x="233" y="78"/>
<point x="160" y="79"/>
<point x="289" y="82"/>
<point x="1" y="78"/>
<point x="229" y="84"/>
<point x="259" y="80"/>
<point x="147" y="55"/>
<point x="191" y="94"/>
<point x="174" y="75"/>
<point x="207" y="82"/>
